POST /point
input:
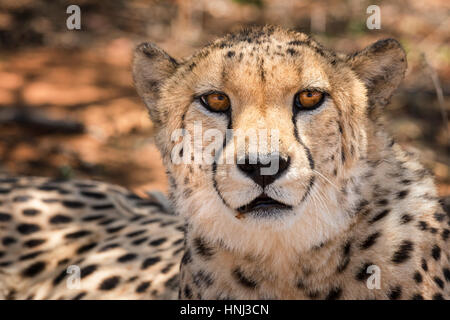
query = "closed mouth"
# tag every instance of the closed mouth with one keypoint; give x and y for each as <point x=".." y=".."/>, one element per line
<point x="262" y="202"/>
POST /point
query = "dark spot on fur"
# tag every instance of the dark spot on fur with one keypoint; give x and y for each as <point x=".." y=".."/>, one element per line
<point x="28" y="228"/>
<point x="102" y="206"/>
<point x="230" y="54"/>
<point x="379" y="216"/>
<point x="446" y="272"/>
<point x="395" y="293"/>
<point x="106" y="222"/>
<point x="143" y="223"/>
<point x="108" y="247"/>
<point x="60" y="277"/>
<point x="88" y="270"/>
<point x="334" y="294"/>
<point x="94" y="195"/>
<point x="4" y="217"/>
<point x="404" y="252"/>
<point x="115" y="229"/>
<point x="362" y="273"/>
<point x="34" y="269"/>
<point x="187" y="257"/>
<point x="439" y="282"/>
<point x="80" y="296"/>
<point x="436" y="252"/>
<point x="445" y="234"/>
<point x="93" y="217"/>
<point x="8" y="241"/>
<point x="292" y="52"/>
<point x="157" y="242"/>
<point x="187" y="292"/>
<point x="73" y="204"/>
<point x="139" y="241"/>
<point x="150" y="262"/>
<point x="417" y="296"/>
<point x="201" y="278"/>
<point x="402" y="194"/>
<point x="438" y="296"/>
<point x="424" y="265"/>
<point x="86" y="247"/>
<point x="31" y="212"/>
<point x="60" y="219"/>
<point x="109" y="283"/>
<point x="143" y="286"/>
<point x="405" y="218"/>
<point x="417" y="277"/>
<point x="243" y="280"/>
<point x="202" y="248"/>
<point x="422" y="225"/>
<point x="30" y="256"/>
<point x="21" y="199"/>
<point x="439" y="216"/>
<point x="78" y="234"/>
<point x="370" y="241"/>
<point x="127" y="257"/>
<point x="135" y="233"/>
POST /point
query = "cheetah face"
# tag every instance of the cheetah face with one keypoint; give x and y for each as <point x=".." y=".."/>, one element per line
<point x="279" y="120"/>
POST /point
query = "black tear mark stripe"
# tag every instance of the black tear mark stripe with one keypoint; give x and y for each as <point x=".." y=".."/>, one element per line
<point x="308" y="189"/>
<point x="299" y="140"/>
<point x="217" y="156"/>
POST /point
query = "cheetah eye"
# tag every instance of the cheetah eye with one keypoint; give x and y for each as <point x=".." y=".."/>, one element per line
<point x="308" y="100"/>
<point x="216" y="101"/>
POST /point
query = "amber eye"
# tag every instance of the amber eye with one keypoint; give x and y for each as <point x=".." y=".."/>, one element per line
<point x="216" y="101"/>
<point x="309" y="99"/>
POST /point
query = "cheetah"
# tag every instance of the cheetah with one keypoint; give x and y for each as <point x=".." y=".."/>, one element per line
<point x="348" y="213"/>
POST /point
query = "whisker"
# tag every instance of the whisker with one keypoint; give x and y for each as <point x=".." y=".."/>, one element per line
<point x="326" y="179"/>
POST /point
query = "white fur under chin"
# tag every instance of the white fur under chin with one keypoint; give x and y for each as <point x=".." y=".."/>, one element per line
<point x="321" y="217"/>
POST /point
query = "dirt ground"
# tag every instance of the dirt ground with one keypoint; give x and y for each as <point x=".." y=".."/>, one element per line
<point x="68" y="107"/>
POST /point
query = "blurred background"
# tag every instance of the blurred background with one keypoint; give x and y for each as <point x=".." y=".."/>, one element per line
<point x="67" y="104"/>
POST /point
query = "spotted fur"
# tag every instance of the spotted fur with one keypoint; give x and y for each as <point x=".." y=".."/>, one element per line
<point x="125" y="246"/>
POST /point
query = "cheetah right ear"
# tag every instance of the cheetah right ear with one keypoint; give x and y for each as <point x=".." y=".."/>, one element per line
<point x="381" y="67"/>
<point x="151" y="67"/>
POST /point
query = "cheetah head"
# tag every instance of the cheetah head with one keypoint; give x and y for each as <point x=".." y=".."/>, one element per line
<point x="295" y="119"/>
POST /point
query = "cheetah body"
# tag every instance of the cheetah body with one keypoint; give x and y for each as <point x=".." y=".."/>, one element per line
<point x="119" y="245"/>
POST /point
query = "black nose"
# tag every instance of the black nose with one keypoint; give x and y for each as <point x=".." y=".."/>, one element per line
<point x="267" y="176"/>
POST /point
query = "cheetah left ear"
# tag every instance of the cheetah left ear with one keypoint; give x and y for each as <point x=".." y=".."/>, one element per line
<point x="381" y="67"/>
<point x="151" y="67"/>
